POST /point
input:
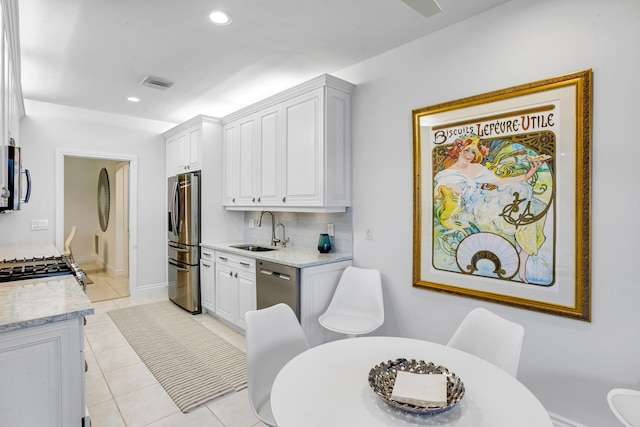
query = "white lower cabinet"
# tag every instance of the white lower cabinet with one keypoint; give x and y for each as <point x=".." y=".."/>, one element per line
<point x="207" y="280"/>
<point x="42" y="375"/>
<point x="235" y="287"/>
<point x="317" y="285"/>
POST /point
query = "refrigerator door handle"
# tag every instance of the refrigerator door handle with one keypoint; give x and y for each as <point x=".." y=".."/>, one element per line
<point x="176" y="267"/>
<point x="175" y="209"/>
<point x="178" y="249"/>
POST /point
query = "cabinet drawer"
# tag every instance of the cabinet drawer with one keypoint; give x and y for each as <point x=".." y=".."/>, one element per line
<point x="236" y="262"/>
<point x="207" y="254"/>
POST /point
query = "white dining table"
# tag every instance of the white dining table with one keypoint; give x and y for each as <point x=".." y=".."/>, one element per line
<point x="328" y="386"/>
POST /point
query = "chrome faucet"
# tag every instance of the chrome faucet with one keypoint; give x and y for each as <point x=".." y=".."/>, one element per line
<point x="274" y="241"/>
<point x="284" y="239"/>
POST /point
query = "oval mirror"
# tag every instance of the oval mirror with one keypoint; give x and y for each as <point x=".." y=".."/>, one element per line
<point x="104" y="201"/>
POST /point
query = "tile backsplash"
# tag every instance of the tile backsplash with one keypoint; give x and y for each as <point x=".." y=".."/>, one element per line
<point x="303" y="229"/>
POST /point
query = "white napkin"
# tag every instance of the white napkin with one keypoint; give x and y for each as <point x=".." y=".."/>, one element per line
<point x="426" y="390"/>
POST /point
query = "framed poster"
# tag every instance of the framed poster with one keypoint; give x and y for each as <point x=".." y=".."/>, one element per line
<point x="501" y="196"/>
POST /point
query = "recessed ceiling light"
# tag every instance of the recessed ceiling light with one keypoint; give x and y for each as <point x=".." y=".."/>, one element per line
<point x="133" y="99"/>
<point x="219" y="18"/>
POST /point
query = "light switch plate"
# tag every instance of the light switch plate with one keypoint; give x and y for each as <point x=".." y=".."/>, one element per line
<point x="331" y="231"/>
<point x="369" y="233"/>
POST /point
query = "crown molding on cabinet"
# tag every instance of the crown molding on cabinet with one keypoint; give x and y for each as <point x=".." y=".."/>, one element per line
<point x="320" y="81"/>
<point x="189" y="123"/>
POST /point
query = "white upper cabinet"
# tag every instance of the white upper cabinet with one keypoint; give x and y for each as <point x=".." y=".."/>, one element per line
<point x="184" y="147"/>
<point x="293" y="150"/>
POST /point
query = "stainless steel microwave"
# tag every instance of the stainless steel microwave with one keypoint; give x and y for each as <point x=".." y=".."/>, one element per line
<point x="11" y="193"/>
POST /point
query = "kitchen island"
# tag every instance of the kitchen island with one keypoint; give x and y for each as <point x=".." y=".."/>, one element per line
<point x="42" y="346"/>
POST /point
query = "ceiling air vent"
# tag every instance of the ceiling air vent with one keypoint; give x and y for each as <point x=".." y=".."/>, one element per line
<point x="156" y="82"/>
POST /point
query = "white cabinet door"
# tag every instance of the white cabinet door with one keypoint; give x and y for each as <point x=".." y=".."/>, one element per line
<point x="235" y="288"/>
<point x="193" y="149"/>
<point x="246" y="173"/>
<point x="207" y="285"/>
<point x="183" y="151"/>
<point x="172" y="155"/>
<point x="230" y="165"/>
<point x="42" y="372"/>
<point x="269" y="157"/>
<point x="246" y="297"/>
<point x="225" y="293"/>
<point x="303" y="150"/>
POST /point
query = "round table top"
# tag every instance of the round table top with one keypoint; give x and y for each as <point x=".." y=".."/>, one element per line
<point x="328" y="386"/>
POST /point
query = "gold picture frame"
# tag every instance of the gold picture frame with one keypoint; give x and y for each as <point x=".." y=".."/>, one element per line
<point x="502" y="196"/>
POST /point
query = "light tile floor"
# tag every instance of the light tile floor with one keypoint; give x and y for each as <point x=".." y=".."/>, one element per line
<point x="121" y="391"/>
<point x="104" y="287"/>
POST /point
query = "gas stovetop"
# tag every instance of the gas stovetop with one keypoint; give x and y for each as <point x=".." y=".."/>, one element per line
<point x="33" y="268"/>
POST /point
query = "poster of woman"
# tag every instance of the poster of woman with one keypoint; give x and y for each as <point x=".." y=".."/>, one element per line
<point x="501" y="197"/>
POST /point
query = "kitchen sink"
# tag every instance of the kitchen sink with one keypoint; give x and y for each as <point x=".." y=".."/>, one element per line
<point x="253" y="248"/>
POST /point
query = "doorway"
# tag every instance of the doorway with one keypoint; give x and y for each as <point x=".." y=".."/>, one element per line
<point x="101" y="248"/>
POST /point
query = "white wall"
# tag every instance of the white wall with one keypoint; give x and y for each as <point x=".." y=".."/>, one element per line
<point x="569" y="364"/>
<point x="48" y="127"/>
<point x="81" y="183"/>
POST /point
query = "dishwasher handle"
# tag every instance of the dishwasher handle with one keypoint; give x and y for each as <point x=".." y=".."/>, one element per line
<point x="275" y="274"/>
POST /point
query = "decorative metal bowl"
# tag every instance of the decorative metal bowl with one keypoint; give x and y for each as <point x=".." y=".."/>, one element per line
<point x="382" y="378"/>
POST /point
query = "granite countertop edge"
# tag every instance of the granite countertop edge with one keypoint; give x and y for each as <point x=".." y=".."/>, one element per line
<point x="292" y="256"/>
<point x="35" y="302"/>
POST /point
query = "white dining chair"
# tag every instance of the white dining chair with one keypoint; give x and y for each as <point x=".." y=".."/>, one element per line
<point x="625" y="404"/>
<point x="67" y="244"/>
<point x="490" y="337"/>
<point x="357" y="306"/>
<point x="273" y="338"/>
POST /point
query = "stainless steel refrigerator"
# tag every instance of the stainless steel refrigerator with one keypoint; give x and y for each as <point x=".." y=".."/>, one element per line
<point x="184" y="241"/>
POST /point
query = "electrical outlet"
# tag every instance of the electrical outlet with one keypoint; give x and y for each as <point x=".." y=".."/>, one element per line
<point x="331" y="231"/>
<point x="252" y="224"/>
<point x="39" y="224"/>
<point x="369" y="233"/>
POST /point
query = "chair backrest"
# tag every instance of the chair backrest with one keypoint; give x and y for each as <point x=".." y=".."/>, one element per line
<point x="273" y="337"/>
<point x="490" y="337"/>
<point x="67" y="243"/>
<point x="359" y="293"/>
<point x="625" y="404"/>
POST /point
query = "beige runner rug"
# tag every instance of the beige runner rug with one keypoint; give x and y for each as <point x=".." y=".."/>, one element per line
<point x="193" y="364"/>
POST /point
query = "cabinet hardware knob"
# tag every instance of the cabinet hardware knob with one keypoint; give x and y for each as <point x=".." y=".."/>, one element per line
<point x="284" y="199"/>
<point x="259" y="199"/>
<point x="236" y="275"/>
<point x="253" y="200"/>
<point x="231" y="274"/>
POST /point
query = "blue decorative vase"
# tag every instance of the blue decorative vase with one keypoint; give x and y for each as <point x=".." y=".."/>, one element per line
<point x="324" y="243"/>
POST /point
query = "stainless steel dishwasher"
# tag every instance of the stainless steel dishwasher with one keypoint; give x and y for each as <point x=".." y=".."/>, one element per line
<point x="276" y="283"/>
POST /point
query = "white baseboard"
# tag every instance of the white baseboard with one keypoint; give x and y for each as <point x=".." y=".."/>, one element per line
<point x="559" y="421"/>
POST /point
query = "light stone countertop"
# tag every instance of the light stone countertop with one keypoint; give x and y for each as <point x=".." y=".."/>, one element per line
<point x="292" y="256"/>
<point x="34" y="302"/>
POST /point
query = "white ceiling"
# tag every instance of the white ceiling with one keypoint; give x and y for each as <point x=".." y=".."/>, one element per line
<point x="93" y="53"/>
